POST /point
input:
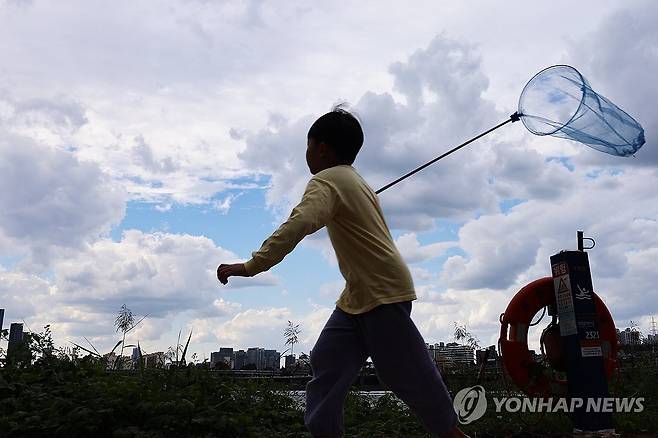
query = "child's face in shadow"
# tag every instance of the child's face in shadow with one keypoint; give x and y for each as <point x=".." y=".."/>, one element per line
<point x="319" y="156"/>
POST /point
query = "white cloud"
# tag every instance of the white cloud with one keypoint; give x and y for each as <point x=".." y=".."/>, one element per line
<point x="399" y="136"/>
<point x="224" y="205"/>
<point x="159" y="273"/>
<point x="47" y="121"/>
<point x="331" y="290"/>
<point x="144" y="156"/>
<point x="414" y="252"/>
<point x="618" y="210"/>
<point x="248" y="328"/>
<point x="262" y="328"/>
<point x="478" y="309"/>
<point x="52" y="200"/>
<point x="164" y="276"/>
<point x="420" y="274"/>
<point x="426" y="292"/>
<point x="22" y="294"/>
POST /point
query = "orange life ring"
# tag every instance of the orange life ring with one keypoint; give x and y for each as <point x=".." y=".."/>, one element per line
<point x="528" y="374"/>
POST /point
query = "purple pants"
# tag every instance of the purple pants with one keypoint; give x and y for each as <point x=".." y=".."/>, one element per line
<point x="389" y="336"/>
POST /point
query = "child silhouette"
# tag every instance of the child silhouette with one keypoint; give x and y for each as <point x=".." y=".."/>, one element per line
<point x="372" y="314"/>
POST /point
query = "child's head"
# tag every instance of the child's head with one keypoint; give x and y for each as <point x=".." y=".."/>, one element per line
<point x="333" y="139"/>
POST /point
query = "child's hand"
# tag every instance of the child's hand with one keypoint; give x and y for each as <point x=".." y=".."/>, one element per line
<point x="235" y="270"/>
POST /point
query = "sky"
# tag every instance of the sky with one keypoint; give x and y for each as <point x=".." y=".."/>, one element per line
<point x="144" y="143"/>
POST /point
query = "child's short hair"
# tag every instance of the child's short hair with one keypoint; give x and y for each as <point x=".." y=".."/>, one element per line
<point x="341" y="130"/>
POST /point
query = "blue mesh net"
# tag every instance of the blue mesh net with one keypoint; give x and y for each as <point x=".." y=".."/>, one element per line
<point x="559" y="101"/>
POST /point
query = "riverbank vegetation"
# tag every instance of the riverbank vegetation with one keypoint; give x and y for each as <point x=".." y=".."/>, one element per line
<point x="59" y="393"/>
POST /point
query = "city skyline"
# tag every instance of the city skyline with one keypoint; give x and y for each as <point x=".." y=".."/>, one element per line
<point x="446" y="355"/>
<point x="625" y="336"/>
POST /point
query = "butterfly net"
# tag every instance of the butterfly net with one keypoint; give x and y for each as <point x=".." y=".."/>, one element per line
<point x="559" y="101"/>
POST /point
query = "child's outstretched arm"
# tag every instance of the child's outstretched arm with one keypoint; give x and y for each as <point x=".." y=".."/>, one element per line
<point x="317" y="207"/>
<point x="233" y="270"/>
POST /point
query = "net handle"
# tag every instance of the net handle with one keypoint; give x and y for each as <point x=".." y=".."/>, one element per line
<point x="513" y="118"/>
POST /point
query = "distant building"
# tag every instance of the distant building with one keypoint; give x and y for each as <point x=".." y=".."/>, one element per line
<point x="628" y="337"/>
<point x="652" y="339"/>
<point x="228" y="355"/>
<point x="150" y="360"/>
<point x="271" y="360"/>
<point x="15" y="332"/>
<point x="225" y="355"/>
<point x="290" y="361"/>
<point x="255" y="356"/>
<point x="451" y="354"/>
<point x="492" y="358"/>
<point x="304" y="363"/>
<point x="240" y="359"/>
<point x="15" y="338"/>
<point x="214" y="358"/>
<point x="155" y="360"/>
<point x="437" y="346"/>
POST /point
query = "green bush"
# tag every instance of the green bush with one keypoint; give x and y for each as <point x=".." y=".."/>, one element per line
<point x="85" y="400"/>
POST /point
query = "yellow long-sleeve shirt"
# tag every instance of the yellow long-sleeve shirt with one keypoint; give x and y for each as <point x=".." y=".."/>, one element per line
<point x="341" y="200"/>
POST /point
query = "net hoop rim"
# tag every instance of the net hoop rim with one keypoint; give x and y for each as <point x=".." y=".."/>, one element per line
<point x="582" y="98"/>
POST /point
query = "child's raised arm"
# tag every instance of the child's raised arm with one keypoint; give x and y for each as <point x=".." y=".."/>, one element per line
<point x="317" y="207"/>
<point x="233" y="270"/>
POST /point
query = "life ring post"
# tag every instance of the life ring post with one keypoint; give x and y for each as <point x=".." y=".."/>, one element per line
<point x="580" y="341"/>
<point x="584" y="336"/>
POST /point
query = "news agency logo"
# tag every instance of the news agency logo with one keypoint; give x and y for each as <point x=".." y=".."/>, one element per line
<point x="470" y="404"/>
<point x="569" y="405"/>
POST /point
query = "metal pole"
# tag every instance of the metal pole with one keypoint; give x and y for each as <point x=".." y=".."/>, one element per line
<point x="513" y="118"/>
